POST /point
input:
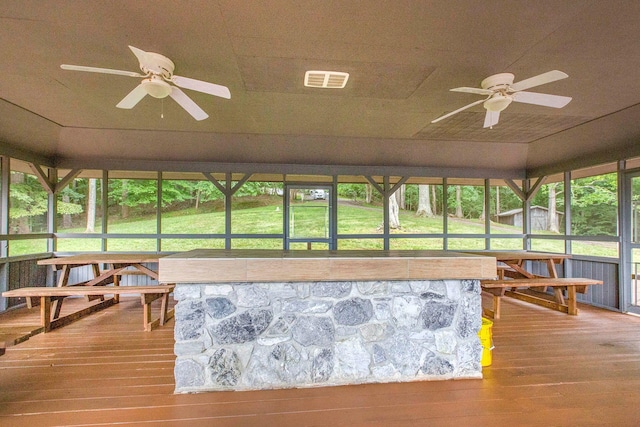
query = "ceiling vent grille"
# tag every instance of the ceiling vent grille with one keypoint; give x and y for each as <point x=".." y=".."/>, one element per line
<point x="326" y="79"/>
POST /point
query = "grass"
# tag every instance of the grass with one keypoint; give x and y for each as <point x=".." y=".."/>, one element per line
<point x="261" y="218"/>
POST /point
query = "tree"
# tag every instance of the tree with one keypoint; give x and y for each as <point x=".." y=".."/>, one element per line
<point x="594" y="202"/>
<point x="434" y="199"/>
<point x="459" y="202"/>
<point x="552" y="211"/>
<point x="424" y="202"/>
<point x="394" y="219"/>
<point x="91" y="206"/>
<point x="27" y="200"/>
<point x="401" y="198"/>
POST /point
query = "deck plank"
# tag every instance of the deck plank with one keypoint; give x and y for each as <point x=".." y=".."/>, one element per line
<point x="548" y="369"/>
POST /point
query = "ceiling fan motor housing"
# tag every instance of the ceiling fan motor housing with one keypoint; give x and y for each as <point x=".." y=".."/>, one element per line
<point x="156" y="64"/>
<point x="498" y="81"/>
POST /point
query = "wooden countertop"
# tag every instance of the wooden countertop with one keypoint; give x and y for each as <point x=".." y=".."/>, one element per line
<point x="220" y="266"/>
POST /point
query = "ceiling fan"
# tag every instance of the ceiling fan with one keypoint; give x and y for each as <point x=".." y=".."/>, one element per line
<point x="500" y="91"/>
<point x="157" y="74"/>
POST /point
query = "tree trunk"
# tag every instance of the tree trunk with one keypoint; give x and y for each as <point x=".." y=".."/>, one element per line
<point x="66" y="218"/>
<point x="552" y="220"/>
<point x="400" y="197"/>
<point x="458" y="201"/>
<point x="497" y="202"/>
<point x="124" y="209"/>
<point x="434" y="200"/>
<point x="91" y="206"/>
<point x="424" y="202"/>
<point x="368" y="193"/>
<point x="197" y="199"/>
<point x="394" y="220"/>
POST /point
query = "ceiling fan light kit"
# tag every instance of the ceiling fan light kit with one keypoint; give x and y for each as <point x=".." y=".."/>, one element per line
<point x="501" y="91"/>
<point x="156" y="87"/>
<point x="158" y="73"/>
<point x="497" y="102"/>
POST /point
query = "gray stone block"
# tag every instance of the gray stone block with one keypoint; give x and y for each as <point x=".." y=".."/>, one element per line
<point x="354" y="311"/>
<point x="184" y="292"/>
<point x="186" y="348"/>
<point x="406" y="311"/>
<point x="251" y="296"/>
<point x="373" y="288"/>
<point x="318" y="331"/>
<point x="188" y="374"/>
<point x="280" y="365"/>
<point x="352" y="360"/>
<point x="404" y="354"/>
<point x="331" y="289"/>
<point x="219" y="307"/>
<point x="306" y="306"/>
<point x="436" y="315"/>
<point x="225" y="368"/>
<point x="282" y="325"/>
<point x="437" y="366"/>
<point x="189" y="317"/>
<point x="322" y="365"/>
<point x="242" y="328"/>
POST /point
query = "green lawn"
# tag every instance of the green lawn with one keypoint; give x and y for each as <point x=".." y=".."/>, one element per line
<point x="309" y="222"/>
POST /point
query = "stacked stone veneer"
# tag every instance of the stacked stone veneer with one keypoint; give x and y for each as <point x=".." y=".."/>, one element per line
<point x="246" y="336"/>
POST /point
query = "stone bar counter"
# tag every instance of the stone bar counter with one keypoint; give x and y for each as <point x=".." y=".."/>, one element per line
<point x="264" y="319"/>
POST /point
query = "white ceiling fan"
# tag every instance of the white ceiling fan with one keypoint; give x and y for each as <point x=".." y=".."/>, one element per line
<point x="501" y="91"/>
<point x="158" y="73"/>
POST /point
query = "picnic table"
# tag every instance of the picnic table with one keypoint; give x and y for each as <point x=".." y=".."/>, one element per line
<point x="114" y="264"/>
<point x="515" y="281"/>
<point x="515" y="260"/>
<point x="106" y="269"/>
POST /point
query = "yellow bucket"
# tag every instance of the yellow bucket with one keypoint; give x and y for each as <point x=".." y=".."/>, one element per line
<point x="486" y="339"/>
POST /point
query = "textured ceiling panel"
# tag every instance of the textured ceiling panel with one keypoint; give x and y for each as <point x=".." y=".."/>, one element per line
<point x="369" y="79"/>
<point x="402" y="61"/>
<point x="513" y="127"/>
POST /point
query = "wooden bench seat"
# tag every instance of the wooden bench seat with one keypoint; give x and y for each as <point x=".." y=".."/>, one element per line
<point x="514" y="288"/>
<point x="53" y="296"/>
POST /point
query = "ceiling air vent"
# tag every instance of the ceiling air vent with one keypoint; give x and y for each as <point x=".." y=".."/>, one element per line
<point x="326" y="79"/>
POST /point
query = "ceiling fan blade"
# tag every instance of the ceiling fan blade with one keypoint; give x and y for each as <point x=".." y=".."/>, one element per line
<point x="132" y="98"/>
<point x="100" y="70"/>
<point x="476" y="90"/>
<point x="140" y="54"/>
<point x="458" y="110"/>
<point x="544" y="78"/>
<point x="200" y="86"/>
<point x="543" y="99"/>
<point x="491" y="118"/>
<point x="188" y="104"/>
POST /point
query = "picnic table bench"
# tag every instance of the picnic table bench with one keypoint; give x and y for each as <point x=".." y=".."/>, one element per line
<point x="50" y="318"/>
<point x="513" y="288"/>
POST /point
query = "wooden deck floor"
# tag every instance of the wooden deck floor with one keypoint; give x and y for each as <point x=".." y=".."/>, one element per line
<point x="549" y="369"/>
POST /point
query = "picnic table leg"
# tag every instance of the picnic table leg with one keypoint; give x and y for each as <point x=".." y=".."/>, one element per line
<point x="45" y="313"/>
<point x="96" y="273"/>
<point x="116" y="282"/>
<point x="164" y="306"/>
<point x="64" y="276"/>
<point x="496" y="307"/>
<point x="559" y="295"/>
<point x="572" y="301"/>
<point x="146" y="311"/>
<point x="56" y="306"/>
